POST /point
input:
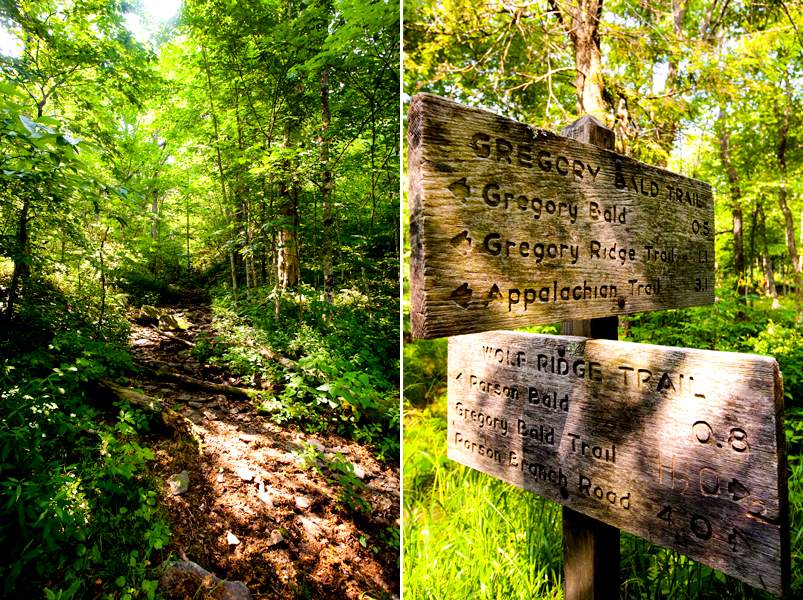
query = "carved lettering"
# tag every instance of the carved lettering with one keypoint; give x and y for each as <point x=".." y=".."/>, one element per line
<point x="481" y="450"/>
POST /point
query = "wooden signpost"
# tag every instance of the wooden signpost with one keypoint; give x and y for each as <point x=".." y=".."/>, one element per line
<point x="684" y="448"/>
<point x="512" y="226"/>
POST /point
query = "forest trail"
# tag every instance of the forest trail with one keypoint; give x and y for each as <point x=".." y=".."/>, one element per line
<point x="250" y="479"/>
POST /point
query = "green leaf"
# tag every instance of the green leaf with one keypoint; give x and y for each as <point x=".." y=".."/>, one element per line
<point x="28" y="124"/>
<point x="120" y="581"/>
<point x="49" y="121"/>
<point x="66" y="140"/>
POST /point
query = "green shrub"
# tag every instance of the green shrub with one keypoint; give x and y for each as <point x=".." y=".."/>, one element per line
<point x="74" y="504"/>
<point x="731" y="325"/>
<point x="347" y="354"/>
<point x="145" y="288"/>
<point x="785" y="344"/>
<point x="424" y="370"/>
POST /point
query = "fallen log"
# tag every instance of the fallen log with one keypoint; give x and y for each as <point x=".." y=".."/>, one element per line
<point x="174" y="337"/>
<point x="198" y="384"/>
<point x="287" y="363"/>
<point x="153" y="405"/>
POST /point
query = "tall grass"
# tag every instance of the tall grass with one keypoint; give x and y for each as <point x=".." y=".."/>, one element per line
<point x="471" y="536"/>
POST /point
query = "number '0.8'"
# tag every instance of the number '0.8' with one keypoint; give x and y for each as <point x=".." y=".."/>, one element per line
<point x="737" y="439"/>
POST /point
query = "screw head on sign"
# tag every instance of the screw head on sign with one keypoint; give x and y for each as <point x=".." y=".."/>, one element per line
<point x="561" y="351"/>
<point x="621" y="302"/>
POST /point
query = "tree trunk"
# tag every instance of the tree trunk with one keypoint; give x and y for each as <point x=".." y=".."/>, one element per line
<point x="169" y="417"/>
<point x="244" y="209"/>
<point x="263" y="255"/>
<point x="736" y="206"/>
<point x="367" y="292"/>
<point x="22" y="266"/>
<point x="197" y="384"/>
<point x="155" y="211"/>
<point x="753" y="245"/>
<point x="232" y="260"/>
<point x="768" y="274"/>
<point x="789" y="220"/>
<point x="248" y="282"/>
<point x="328" y="276"/>
<point x="669" y="128"/>
<point x="220" y="171"/>
<point x="189" y="262"/>
<point x="581" y="24"/>
<point x="102" y="282"/>
<point x="289" y="267"/>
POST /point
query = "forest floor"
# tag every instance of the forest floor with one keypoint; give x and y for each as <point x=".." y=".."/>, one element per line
<point x="251" y="479"/>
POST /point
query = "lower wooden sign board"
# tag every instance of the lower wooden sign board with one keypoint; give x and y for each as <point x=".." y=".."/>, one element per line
<point x="682" y="447"/>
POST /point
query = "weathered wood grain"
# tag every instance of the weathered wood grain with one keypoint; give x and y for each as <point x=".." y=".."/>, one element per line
<point x="591" y="548"/>
<point x="512" y="226"/>
<point x="682" y="447"/>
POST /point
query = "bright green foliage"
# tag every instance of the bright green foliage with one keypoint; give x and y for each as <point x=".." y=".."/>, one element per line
<point x="468" y="535"/>
<point x="347" y="357"/>
<point x="732" y="326"/>
<point x="424" y="370"/>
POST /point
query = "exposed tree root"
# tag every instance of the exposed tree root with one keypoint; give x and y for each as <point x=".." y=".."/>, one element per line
<point x="167" y="415"/>
<point x="288" y="364"/>
<point x="197" y="383"/>
<point x="172" y="336"/>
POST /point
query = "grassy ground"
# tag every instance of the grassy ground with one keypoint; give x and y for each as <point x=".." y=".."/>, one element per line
<point x="467" y="535"/>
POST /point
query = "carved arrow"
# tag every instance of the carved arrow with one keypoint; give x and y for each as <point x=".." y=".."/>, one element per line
<point x="738" y="490"/>
<point x="460" y="190"/>
<point x="458" y="243"/>
<point x="462" y="295"/>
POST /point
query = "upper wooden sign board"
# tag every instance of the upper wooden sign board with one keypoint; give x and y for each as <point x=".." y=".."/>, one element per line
<point x="511" y="226"/>
<point x="682" y="447"/>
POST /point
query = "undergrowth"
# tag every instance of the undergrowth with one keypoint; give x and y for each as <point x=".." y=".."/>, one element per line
<point x="78" y="516"/>
<point x="347" y="379"/>
<point x="732" y="324"/>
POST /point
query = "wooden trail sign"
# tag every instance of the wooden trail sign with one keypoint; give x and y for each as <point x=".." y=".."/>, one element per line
<point x="512" y="226"/>
<point x="682" y="447"/>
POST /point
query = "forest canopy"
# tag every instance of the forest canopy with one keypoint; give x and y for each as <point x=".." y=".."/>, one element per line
<point x="240" y="134"/>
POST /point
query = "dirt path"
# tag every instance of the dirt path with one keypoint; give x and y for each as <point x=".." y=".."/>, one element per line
<point x="247" y="480"/>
